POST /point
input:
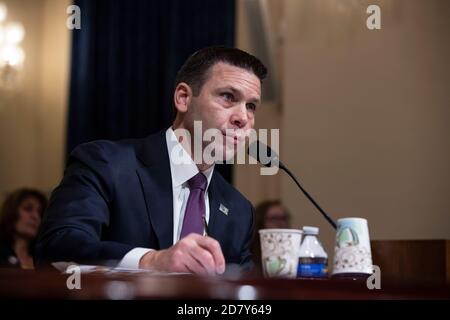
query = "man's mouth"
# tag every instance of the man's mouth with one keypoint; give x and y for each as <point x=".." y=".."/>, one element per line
<point x="233" y="138"/>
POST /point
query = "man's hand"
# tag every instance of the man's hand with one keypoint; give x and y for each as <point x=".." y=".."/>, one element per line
<point x="194" y="253"/>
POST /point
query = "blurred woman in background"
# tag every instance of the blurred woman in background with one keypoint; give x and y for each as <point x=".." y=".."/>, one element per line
<point x="269" y="214"/>
<point x="20" y="219"/>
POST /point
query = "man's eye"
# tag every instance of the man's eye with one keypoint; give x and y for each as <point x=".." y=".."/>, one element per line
<point x="251" y="106"/>
<point x="227" y="96"/>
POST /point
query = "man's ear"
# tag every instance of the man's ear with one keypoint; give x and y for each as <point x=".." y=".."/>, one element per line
<point x="182" y="96"/>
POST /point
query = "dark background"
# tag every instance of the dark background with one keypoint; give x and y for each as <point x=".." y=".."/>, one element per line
<point x="124" y="62"/>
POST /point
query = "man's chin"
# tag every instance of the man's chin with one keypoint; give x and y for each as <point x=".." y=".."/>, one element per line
<point x="228" y="155"/>
<point x="230" y="151"/>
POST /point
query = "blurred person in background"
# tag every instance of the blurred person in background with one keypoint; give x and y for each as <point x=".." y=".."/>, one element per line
<point x="270" y="214"/>
<point x="20" y="219"/>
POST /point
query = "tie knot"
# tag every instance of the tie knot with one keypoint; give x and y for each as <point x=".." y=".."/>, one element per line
<point x="198" y="181"/>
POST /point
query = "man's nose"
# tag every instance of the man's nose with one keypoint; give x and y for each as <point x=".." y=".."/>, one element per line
<point x="239" y="117"/>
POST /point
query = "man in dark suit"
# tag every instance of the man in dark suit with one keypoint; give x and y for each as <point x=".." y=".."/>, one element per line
<point x="134" y="203"/>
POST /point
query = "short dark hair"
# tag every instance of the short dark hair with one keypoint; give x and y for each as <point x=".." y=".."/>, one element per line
<point x="195" y="70"/>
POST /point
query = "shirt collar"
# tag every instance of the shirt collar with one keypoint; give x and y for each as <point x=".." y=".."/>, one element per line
<point x="182" y="171"/>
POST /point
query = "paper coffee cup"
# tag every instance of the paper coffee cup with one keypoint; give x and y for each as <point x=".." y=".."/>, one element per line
<point x="352" y="252"/>
<point x="279" y="252"/>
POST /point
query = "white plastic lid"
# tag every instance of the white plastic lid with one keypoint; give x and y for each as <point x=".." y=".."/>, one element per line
<point x="311" y="246"/>
<point x="310" y="230"/>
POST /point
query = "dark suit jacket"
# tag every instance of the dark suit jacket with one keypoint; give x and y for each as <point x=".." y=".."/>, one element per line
<point x="116" y="196"/>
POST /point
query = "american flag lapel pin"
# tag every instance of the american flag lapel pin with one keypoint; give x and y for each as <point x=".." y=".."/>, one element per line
<point x="223" y="209"/>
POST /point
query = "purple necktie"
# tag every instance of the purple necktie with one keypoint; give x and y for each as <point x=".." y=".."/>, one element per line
<point x="195" y="208"/>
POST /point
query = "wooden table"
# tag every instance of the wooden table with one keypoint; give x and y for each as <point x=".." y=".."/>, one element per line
<point x="50" y="284"/>
<point x="413" y="260"/>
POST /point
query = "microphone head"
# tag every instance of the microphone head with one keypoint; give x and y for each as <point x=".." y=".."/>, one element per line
<point x="264" y="154"/>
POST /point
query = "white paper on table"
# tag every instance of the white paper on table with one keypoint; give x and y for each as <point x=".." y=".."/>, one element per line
<point x="65" y="268"/>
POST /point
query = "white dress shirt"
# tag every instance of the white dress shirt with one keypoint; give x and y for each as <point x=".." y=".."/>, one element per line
<point x="182" y="168"/>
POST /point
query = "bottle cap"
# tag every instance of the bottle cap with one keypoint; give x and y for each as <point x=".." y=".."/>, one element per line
<point x="310" y="230"/>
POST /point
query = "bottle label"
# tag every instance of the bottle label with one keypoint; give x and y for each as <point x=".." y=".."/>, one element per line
<point x="312" y="270"/>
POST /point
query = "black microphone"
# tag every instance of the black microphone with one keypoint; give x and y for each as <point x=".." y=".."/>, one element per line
<point x="271" y="159"/>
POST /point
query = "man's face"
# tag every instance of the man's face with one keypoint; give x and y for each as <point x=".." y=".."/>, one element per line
<point x="227" y="101"/>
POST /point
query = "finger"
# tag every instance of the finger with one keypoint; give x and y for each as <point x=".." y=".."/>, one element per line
<point x="204" y="257"/>
<point x="193" y="265"/>
<point x="213" y="247"/>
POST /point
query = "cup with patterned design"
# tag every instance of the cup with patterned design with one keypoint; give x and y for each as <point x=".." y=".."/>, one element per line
<point x="279" y="252"/>
<point x="352" y="254"/>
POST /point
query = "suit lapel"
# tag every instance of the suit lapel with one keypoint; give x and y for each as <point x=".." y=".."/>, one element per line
<point x="156" y="183"/>
<point x="218" y="220"/>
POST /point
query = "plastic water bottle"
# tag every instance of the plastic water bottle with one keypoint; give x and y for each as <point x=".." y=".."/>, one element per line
<point x="313" y="260"/>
